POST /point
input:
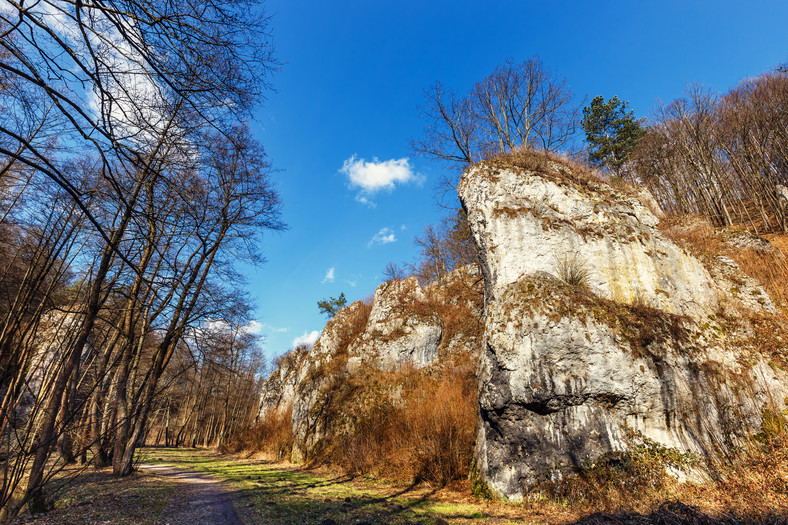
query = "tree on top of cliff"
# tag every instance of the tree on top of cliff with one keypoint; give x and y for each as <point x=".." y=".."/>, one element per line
<point x="332" y="305"/>
<point x="612" y="132"/>
<point x="517" y="105"/>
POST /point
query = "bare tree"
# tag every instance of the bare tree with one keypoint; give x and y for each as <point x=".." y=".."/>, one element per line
<point x="444" y="248"/>
<point x="517" y="106"/>
<point x="394" y="272"/>
<point x="128" y="112"/>
<point x="721" y="156"/>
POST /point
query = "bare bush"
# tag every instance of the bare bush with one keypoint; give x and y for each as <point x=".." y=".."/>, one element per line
<point x="272" y="435"/>
<point x="423" y="433"/>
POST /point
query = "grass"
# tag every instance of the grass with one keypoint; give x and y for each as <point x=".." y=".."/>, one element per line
<point x="281" y="493"/>
<point x="95" y="496"/>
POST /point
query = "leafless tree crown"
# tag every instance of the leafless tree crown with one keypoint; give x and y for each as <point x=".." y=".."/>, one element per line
<point x="521" y="105"/>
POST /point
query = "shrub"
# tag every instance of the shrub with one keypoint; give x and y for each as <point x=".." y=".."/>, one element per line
<point x="272" y="435"/>
<point x="618" y="478"/>
<point x="407" y="425"/>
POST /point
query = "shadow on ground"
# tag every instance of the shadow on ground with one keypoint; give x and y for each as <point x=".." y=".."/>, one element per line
<point x="679" y="514"/>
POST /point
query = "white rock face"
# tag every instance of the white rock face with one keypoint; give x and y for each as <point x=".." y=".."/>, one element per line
<point x="397" y="334"/>
<point x="525" y="223"/>
<point x="279" y="390"/>
<point x="569" y="373"/>
<point x="314" y="378"/>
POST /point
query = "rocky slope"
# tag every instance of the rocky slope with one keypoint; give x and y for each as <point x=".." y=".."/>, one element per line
<point x="601" y="331"/>
<point x="406" y="327"/>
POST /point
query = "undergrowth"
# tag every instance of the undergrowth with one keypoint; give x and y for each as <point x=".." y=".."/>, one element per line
<point x="635" y="484"/>
<point x="272" y="434"/>
<point x="406" y="425"/>
<point x="617" y="478"/>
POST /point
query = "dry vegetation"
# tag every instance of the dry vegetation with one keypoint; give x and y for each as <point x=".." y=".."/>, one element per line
<point x="407" y="426"/>
<point x="96" y="497"/>
<point x="404" y="425"/>
<point x="550" y="165"/>
<point x="634" y="488"/>
<point x="272" y="434"/>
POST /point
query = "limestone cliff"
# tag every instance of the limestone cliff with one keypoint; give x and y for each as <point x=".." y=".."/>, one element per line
<point x="405" y="327"/>
<point x="600" y="329"/>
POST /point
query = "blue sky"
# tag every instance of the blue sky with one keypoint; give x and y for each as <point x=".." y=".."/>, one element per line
<point x="353" y="77"/>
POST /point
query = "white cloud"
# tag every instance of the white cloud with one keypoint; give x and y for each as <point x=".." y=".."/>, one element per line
<point x="215" y="325"/>
<point x="307" y="339"/>
<point x="329" y="278"/>
<point x="384" y="236"/>
<point x="376" y="175"/>
<point x="363" y="200"/>
<point x="352" y="283"/>
<point x="252" y="327"/>
<point x="268" y="328"/>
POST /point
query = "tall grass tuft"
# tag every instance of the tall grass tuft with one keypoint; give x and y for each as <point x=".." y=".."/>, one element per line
<point x="574" y="271"/>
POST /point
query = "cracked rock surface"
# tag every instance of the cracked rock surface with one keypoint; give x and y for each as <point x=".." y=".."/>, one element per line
<point x="639" y="348"/>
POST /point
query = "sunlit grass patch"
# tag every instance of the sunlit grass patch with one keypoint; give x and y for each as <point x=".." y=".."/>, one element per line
<point x="281" y="493"/>
<point x="98" y="497"/>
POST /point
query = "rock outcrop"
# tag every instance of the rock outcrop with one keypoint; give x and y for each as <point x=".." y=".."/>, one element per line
<point x="601" y="330"/>
<point x="405" y="327"/>
<point x="279" y="390"/>
<point x="396" y="333"/>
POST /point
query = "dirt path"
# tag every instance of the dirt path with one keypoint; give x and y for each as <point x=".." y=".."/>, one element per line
<point x="199" y="498"/>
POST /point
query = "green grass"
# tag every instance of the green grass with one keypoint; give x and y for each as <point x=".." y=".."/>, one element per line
<point x="95" y="496"/>
<point x="265" y="492"/>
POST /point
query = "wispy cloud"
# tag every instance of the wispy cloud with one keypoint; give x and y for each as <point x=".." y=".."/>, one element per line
<point x="352" y="283"/>
<point x="384" y="236"/>
<point x="268" y="328"/>
<point x="307" y="338"/>
<point x="329" y="278"/>
<point x="374" y="176"/>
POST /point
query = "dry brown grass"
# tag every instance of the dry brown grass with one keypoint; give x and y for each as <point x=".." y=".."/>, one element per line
<point x="272" y="435"/>
<point x="550" y="165"/>
<point x="406" y="425"/>
<point x="96" y="496"/>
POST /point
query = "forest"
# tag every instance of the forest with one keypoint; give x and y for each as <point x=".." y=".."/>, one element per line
<point x="130" y="189"/>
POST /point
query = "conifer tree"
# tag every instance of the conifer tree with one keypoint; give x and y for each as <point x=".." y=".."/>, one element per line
<point x="332" y="305"/>
<point x="612" y="131"/>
